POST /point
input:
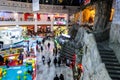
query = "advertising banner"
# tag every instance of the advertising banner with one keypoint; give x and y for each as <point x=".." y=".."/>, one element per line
<point x="35" y="4"/>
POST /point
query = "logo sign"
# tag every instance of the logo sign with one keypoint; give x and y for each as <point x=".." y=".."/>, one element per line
<point x="86" y="2"/>
<point x="36" y="6"/>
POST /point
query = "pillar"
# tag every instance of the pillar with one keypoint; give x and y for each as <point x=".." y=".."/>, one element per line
<point x="35" y="20"/>
<point x="52" y="22"/>
<point x="16" y="18"/>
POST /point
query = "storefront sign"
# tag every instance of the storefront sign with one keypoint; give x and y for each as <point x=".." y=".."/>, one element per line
<point x="86" y="2"/>
<point x="35" y="4"/>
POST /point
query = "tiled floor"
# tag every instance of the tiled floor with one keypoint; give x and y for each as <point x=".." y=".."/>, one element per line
<point x="48" y="73"/>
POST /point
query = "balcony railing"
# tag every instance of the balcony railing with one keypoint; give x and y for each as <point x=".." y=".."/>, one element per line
<point x="2" y="23"/>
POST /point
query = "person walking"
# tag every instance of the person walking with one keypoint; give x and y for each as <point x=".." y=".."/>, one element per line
<point x="49" y="61"/>
<point x="61" y="77"/>
<point x="55" y="61"/>
<point x="43" y="41"/>
<point x="43" y="59"/>
<point x="59" y="61"/>
<point x="55" y="51"/>
<point x="48" y="45"/>
<point x="41" y="48"/>
<point x="67" y="62"/>
<point x="56" y="77"/>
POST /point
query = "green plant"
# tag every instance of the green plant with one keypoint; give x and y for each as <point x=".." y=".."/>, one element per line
<point x="25" y="77"/>
<point x="18" y="77"/>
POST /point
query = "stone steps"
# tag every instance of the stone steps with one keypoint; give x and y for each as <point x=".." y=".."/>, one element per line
<point x="106" y="56"/>
<point x="112" y="65"/>
<point x="109" y="60"/>
<point x="111" y="71"/>
<point x="107" y="53"/>
<point x="114" y="76"/>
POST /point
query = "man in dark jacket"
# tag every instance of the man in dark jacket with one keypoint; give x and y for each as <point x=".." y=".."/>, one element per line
<point x="49" y="61"/>
<point x="59" y="61"/>
<point x="55" y="61"/>
<point x="56" y="77"/>
<point x="61" y="77"/>
<point x="43" y="59"/>
<point x="41" y="48"/>
<point x="48" y="45"/>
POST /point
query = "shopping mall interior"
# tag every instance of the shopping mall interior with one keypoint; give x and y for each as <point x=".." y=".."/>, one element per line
<point x="59" y="40"/>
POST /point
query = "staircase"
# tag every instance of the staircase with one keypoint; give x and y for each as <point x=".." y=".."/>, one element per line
<point x="109" y="58"/>
<point x="67" y="51"/>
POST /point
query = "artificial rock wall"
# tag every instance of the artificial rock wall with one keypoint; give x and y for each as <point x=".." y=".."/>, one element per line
<point x="115" y="27"/>
<point x="93" y="68"/>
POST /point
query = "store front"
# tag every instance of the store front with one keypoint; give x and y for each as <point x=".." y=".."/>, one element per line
<point x="87" y="16"/>
<point x="10" y="34"/>
<point x="7" y="16"/>
<point x="43" y="30"/>
<point x="60" y="24"/>
<point x="58" y="30"/>
<point x="28" y="29"/>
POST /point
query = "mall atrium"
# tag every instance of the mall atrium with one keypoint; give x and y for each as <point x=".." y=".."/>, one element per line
<point x="59" y="40"/>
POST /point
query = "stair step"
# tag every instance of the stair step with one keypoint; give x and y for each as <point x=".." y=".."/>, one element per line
<point x="109" y="60"/>
<point x="101" y="50"/>
<point x="112" y="54"/>
<point x="68" y="49"/>
<point x="115" y="77"/>
<point x="113" y="67"/>
<point x="66" y="52"/>
<point x="112" y="64"/>
<point x="66" y="55"/>
<point x="106" y="56"/>
<point x="114" y="72"/>
<point x="106" y="52"/>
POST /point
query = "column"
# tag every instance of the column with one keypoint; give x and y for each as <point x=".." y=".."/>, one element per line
<point x="16" y="18"/>
<point x="35" y="19"/>
<point x="52" y="22"/>
<point x="67" y="20"/>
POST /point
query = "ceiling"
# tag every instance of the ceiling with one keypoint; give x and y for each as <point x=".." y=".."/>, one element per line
<point x="56" y="2"/>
